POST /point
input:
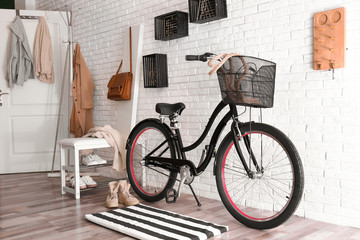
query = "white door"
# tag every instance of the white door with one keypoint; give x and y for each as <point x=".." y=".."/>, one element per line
<point x="29" y="113"/>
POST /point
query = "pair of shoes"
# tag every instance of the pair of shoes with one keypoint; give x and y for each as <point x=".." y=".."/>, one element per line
<point x="85" y="182"/>
<point x="119" y="193"/>
<point x="81" y="183"/>
<point x="92" y="159"/>
<point x="90" y="183"/>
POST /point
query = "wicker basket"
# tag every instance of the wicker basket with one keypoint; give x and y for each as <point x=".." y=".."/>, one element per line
<point x="247" y="81"/>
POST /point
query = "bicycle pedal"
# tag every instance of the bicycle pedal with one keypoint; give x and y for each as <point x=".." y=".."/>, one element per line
<point x="171" y="196"/>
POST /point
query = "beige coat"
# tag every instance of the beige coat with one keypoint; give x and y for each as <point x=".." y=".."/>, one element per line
<point x="83" y="96"/>
<point x="43" y="53"/>
<point x="116" y="140"/>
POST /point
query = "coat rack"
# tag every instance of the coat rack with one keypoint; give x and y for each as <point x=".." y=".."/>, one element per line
<point x="25" y="17"/>
<point x="67" y="73"/>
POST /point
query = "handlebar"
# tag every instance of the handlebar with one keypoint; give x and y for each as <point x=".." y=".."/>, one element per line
<point x="203" y="57"/>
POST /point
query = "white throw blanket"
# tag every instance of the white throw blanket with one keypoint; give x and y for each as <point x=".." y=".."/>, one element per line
<point x="116" y="140"/>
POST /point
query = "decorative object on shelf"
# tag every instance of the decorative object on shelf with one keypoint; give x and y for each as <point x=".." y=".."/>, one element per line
<point x="329" y="39"/>
<point x="202" y="11"/>
<point x="155" y="71"/>
<point x="171" y="25"/>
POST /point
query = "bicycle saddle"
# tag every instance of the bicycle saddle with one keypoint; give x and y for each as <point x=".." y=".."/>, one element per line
<point x="169" y="109"/>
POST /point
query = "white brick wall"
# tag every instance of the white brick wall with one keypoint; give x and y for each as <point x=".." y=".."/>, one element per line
<point x="320" y="114"/>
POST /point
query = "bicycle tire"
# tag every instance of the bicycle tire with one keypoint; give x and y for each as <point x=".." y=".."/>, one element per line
<point x="270" y="198"/>
<point x="149" y="182"/>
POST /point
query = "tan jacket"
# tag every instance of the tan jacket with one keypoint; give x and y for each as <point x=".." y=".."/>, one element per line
<point x="81" y="119"/>
<point x="43" y="53"/>
<point x="116" y="140"/>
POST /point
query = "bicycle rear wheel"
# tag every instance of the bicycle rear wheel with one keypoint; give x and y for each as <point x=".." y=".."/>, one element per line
<point x="148" y="181"/>
<point x="272" y="195"/>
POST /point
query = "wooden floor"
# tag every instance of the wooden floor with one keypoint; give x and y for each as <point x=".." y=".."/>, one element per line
<point x="31" y="207"/>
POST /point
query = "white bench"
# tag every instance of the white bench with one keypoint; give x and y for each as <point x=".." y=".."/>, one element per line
<point x="76" y="144"/>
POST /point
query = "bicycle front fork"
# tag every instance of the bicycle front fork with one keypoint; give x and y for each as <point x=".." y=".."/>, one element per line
<point x="237" y="137"/>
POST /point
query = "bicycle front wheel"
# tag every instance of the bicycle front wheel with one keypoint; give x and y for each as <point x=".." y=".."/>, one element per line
<point x="148" y="181"/>
<point x="271" y="196"/>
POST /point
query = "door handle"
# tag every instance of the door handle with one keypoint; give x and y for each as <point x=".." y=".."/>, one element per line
<point x="2" y="93"/>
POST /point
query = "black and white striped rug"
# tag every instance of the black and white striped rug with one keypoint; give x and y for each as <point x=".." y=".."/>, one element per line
<point x="144" y="222"/>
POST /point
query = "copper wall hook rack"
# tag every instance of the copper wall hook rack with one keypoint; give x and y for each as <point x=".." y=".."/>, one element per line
<point x="329" y="39"/>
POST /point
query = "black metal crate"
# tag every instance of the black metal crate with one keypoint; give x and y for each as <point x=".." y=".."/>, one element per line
<point x="155" y="70"/>
<point x="171" y="25"/>
<point x="202" y="11"/>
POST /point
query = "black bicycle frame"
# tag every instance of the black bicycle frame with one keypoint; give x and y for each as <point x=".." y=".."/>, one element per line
<point x="235" y="128"/>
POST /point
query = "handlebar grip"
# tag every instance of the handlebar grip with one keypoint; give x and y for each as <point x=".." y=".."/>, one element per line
<point x="192" y="57"/>
<point x="203" y="57"/>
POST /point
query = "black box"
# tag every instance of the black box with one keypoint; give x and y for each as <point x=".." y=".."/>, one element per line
<point x="202" y="11"/>
<point x="155" y="70"/>
<point x="171" y="25"/>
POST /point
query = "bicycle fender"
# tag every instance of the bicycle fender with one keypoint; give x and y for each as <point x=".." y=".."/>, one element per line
<point x="166" y="127"/>
<point x="217" y="153"/>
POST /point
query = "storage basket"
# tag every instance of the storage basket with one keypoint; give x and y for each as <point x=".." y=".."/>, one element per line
<point x="247" y="81"/>
<point x="171" y="26"/>
<point x="155" y="70"/>
<point x="202" y="11"/>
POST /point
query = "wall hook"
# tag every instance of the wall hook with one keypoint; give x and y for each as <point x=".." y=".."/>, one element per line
<point x="319" y="64"/>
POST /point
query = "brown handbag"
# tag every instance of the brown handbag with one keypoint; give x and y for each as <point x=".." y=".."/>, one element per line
<point x="119" y="86"/>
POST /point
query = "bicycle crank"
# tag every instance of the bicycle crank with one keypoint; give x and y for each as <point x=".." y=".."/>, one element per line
<point x="172" y="194"/>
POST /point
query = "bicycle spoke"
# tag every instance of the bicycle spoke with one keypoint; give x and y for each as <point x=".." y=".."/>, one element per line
<point x="279" y="166"/>
<point x="241" y="190"/>
<point x="283" y="179"/>
<point x="243" y="173"/>
<point x="233" y="183"/>
<point x="275" y="187"/>
<point x="272" y="162"/>
<point x="265" y="178"/>
<point x="270" y="195"/>
<point x="280" y="174"/>
<point x="274" y="158"/>
<point x="158" y="171"/>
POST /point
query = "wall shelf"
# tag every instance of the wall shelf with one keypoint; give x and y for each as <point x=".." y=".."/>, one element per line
<point x="202" y="11"/>
<point x="155" y="71"/>
<point x="171" y="26"/>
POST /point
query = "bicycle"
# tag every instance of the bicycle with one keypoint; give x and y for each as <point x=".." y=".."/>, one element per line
<point x="259" y="174"/>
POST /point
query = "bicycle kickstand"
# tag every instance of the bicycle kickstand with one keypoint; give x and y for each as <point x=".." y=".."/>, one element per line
<point x="172" y="194"/>
<point x="197" y="200"/>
